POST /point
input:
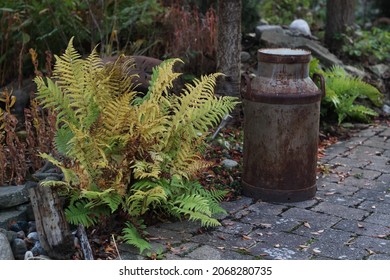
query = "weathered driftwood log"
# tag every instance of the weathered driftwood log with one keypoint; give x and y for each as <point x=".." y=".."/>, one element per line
<point x="52" y="227"/>
<point x="85" y="246"/>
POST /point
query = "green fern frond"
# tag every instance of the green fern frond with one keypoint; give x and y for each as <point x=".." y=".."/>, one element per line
<point x="162" y="79"/>
<point x="79" y="213"/>
<point x="132" y="237"/>
<point x="107" y="197"/>
<point x="141" y="201"/>
<point x="70" y="177"/>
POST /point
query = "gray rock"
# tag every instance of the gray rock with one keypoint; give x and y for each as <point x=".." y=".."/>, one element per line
<point x="381" y="70"/>
<point x="19" y="248"/>
<point x="245" y="56"/>
<point x="386" y="109"/>
<point x="21" y="234"/>
<point x="5" y="251"/>
<point x="12" y="196"/>
<point x="11" y="235"/>
<point x="355" y="71"/>
<point x="262" y="28"/>
<point x="33" y="236"/>
<point x="38" y="250"/>
<point x="229" y="163"/>
<point x="282" y="39"/>
<point x="6" y="216"/>
<point x="300" y="26"/>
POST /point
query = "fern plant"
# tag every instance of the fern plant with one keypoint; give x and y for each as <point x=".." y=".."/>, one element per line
<point x="121" y="151"/>
<point x="344" y="94"/>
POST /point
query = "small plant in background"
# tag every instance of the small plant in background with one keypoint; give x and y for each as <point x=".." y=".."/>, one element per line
<point x="192" y="38"/>
<point x="285" y="11"/>
<point x="345" y="93"/>
<point x="372" y="45"/>
<point x="124" y="152"/>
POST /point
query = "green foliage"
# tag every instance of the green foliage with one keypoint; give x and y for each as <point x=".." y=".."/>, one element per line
<point x="46" y="25"/>
<point x="285" y="11"/>
<point x="132" y="236"/>
<point x="123" y="151"/>
<point x="373" y="44"/>
<point x="343" y="92"/>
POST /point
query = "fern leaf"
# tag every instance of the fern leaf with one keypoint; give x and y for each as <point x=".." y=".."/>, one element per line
<point x="78" y="213"/>
<point x="107" y="197"/>
<point x="132" y="237"/>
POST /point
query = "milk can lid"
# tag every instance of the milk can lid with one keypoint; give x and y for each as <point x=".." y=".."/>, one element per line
<point x="284" y="55"/>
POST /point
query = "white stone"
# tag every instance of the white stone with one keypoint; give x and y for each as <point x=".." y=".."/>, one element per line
<point x="229" y="163"/>
<point x="301" y="26"/>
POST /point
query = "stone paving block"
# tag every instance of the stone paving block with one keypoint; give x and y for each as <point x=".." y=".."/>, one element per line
<point x="380" y="142"/>
<point x="234" y="227"/>
<point x="379" y="257"/>
<point x="361" y="173"/>
<point x="377" y="245"/>
<point x="384" y="179"/>
<point x="265" y="208"/>
<point x="350" y="162"/>
<point x="385" y="132"/>
<point x="340" y="189"/>
<point x="233" y="206"/>
<point x="362" y="228"/>
<point x="279" y="245"/>
<point x="181" y="226"/>
<point x="334" y="244"/>
<point x="360" y="183"/>
<point x="374" y="195"/>
<point x="355" y="141"/>
<point x="301" y="204"/>
<point x="365" y="152"/>
<point x="374" y="206"/>
<point x="163" y="235"/>
<point x="316" y="221"/>
<point x="220" y="239"/>
<point x="205" y="252"/>
<point x="335" y="198"/>
<point x="271" y="223"/>
<point x="381" y="164"/>
<point x="337" y="149"/>
<point x="341" y="211"/>
<point x="368" y="132"/>
<point x="379" y="218"/>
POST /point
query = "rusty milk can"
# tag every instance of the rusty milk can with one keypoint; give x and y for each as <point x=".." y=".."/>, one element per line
<point x="281" y="127"/>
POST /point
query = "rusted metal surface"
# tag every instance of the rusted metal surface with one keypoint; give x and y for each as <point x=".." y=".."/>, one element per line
<point x="281" y="128"/>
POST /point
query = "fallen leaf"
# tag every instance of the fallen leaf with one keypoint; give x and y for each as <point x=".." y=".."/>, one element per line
<point x="277" y="245"/>
<point x="360" y="225"/>
<point x="316" y="251"/>
<point x="221" y="237"/>
<point x="321" y="231"/>
<point x="373" y="206"/>
<point x="306" y="224"/>
<point x="303" y="246"/>
<point x="246" y="237"/>
<point x="263" y="255"/>
<point x="221" y="248"/>
<point x="330" y="193"/>
<point x="265" y="225"/>
<point x="370" y="252"/>
<point x="382" y="235"/>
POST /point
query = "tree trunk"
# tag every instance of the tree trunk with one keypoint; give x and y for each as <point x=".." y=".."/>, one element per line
<point x="340" y="14"/>
<point x="53" y="229"/>
<point x="229" y="47"/>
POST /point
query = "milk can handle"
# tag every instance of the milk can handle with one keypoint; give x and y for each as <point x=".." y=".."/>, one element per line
<point x="245" y="80"/>
<point x="318" y="77"/>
